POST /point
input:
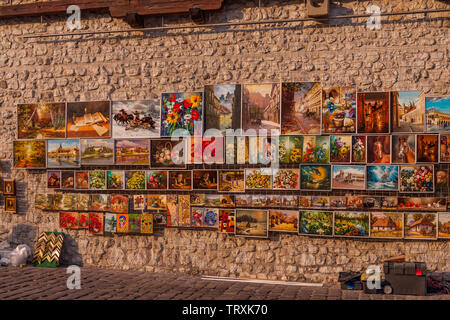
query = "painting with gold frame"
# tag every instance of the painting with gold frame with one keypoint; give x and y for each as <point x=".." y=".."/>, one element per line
<point x="11" y="204"/>
<point x="9" y="187"/>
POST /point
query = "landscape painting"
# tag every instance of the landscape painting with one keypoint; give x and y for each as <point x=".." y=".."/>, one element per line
<point x="63" y="153"/>
<point x="156" y="202"/>
<point x="359" y="149"/>
<point x="351" y="224"/>
<point x="132" y="151"/>
<point x="99" y="202"/>
<point x="88" y="119"/>
<point x="166" y="153"/>
<point x="407" y="111"/>
<point x="444" y="148"/>
<point x="110" y="222"/>
<point x="339" y="110"/>
<point x="232" y="181"/>
<point x="283" y="220"/>
<point x="97" y="152"/>
<point x="382" y="178"/>
<point x="223" y="107"/>
<point x="427" y="148"/>
<point x="41" y="121"/>
<point x="379" y="149"/>
<point x="315" y="177"/>
<point x="444" y="225"/>
<point x="349" y="177"/>
<point x="252" y="223"/>
<point x="29" y="154"/>
<point x="136" y="119"/>
<point x="316" y="223"/>
<point x="373" y="112"/>
<point x="290" y="149"/>
<point x="404" y="148"/>
<point x="417" y="178"/>
<point x="386" y="225"/>
<point x="301" y="103"/>
<point x="340" y="149"/>
<point x="420" y="225"/>
<point x="437" y="113"/>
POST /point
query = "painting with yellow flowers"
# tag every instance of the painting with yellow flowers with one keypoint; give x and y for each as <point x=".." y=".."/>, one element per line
<point x="290" y="149"/>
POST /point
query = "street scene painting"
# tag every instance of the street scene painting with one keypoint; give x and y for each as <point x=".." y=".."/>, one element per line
<point x="339" y="110"/>
<point x="136" y="119"/>
<point x="437" y="114"/>
<point x="427" y="148"/>
<point x="381" y="177"/>
<point x="386" y="224"/>
<point x="29" y="154"/>
<point x="41" y="121"/>
<point x="407" y="111"/>
<point x="252" y="223"/>
<point x="403" y="148"/>
<point x="373" y="112"/>
<point x="88" y="119"/>
<point x="223" y="107"/>
<point x="349" y="177"/>
<point x="444" y="148"/>
<point x="420" y="225"/>
<point x="63" y="153"/>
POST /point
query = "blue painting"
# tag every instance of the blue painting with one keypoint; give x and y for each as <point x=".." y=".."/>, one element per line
<point x="437" y="110"/>
<point x="382" y="178"/>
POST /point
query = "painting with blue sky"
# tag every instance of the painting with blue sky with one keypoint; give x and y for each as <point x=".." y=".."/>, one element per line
<point x="382" y="178"/>
<point x="407" y="111"/>
<point x="437" y="114"/>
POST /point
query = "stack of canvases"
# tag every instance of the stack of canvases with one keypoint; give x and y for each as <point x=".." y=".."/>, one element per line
<point x="326" y="138"/>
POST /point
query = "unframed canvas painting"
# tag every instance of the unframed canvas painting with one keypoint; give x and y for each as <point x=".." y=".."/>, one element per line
<point x="136" y="119"/>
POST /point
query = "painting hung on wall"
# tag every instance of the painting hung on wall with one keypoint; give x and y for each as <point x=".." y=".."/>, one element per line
<point x="122" y="223"/>
<point x="67" y="180"/>
<point x="300" y="108"/>
<point x="10" y="204"/>
<point x="316" y="149"/>
<point x="83" y="202"/>
<point x="183" y="111"/>
<point x="338" y="202"/>
<point x="136" y="119"/>
<point x="261" y="107"/>
<point x="339" y="110"/>
<point x="82" y="180"/>
<point x="382" y="178"/>
<point x="290" y="149"/>
<point x="442" y="179"/>
<point x="83" y="220"/>
<point x="444" y="148"/>
<point x="57" y="202"/>
<point x="227" y="221"/>
<point x="63" y="153"/>
<point x="99" y="202"/>
<point x="316" y="223"/>
<point x="115" y="180"/>
<point x="315" y="177"/>
<point x="67" y="202"/>
<point x="420" y="225"/>
<point x="197" y="217"/>
<point x="351" y="224"/>
<point x="96" y="223"/>
<point x="138" y="202"/>
<point x="172" y="210"/>
<point x="386" y="225"/>
<point x="427" y="148"/>
<point x="166" y="153"/>
<point x="211" y="218"/>
<point x="320" y="202"/>
<point x="389" y="203"/>
<point x="444" y="225"/>
<point x="260" y="178"/>
<point x="232" y="181"/>
<point x="372" y="202"/>
<point x="29" y="154"/>
<point x="97" y="152"/>
<point x="403" y="148"/>
<point x="205" y="150"/>
<point x="110" y="222"/>
<point x="252" y="223"/>
<point x="156" y="202"/>
<point x="135" y="180"/>
<point x="97" y="180"/>
<point x="204" y="180"/>
<point x="147" y="223"/>
<point x="359" y="149"/>
<point x="373" y="112"/>
<point x="180" y="180"/>
<point x="417" y="178"/>
<point x="437" y="113"/>
<point x="340" y="149"/>
<point x="53" y="179"/>
<point x="407" y="111"/>
<point x="223" y="107"/>
<point x="433" y="203"/>
<point x="379" y="149"/>
<point x="160" y="218"/>
<point x="43" y="201"/>
<point x="88" y="119"/>
<point x="156" y="179"/>
<point x="283" y="220"/>
<point x="132" y="151"/>
<point x="286" y="179"/>
<point x="68" y="220"/>
<point x="134" y="223"/>
<point x="349" y="177"/>
<point x="41" y="121"/>
<point x="119" y="203"/>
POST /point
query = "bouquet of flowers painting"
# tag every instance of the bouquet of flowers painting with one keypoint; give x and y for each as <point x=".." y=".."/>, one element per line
<point x="182" y="111"/>
<point x="351" y="224"/>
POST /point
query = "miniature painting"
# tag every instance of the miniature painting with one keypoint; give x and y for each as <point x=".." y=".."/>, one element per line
<point x="182" y="111"/>
<point x="97" y="152"/>
<point x="242" y="150"/>
<point x="97" y="180"/>
<point x="115" y="180"/>
<point x="316" y="223"/>
<point x="243" y="200"/>
<point x="198" y="199"/>
<point x="338" y="202"/>
<point x="146" y="223"/>
<point x="68" y="220"/>
<point x="274" y="200"/>
<point x="444" y="148"/>
<point x="99" y="202"/>
<point x="134" y="223"/>
<point x="41" y="121"/>
<point x="67" y="202"/>
<point x="82" y="180"/>
<point x="160" y="218"/>
<point x="407" y="111"/>
<point x="259" y="200"/>
<point x="315" y="177"/>
<point x="180" y="180"/>
<point x="54" y="179"/>
<point x="403" y="148"/>
<point x="223" y="107"/>
<point x="437" y="113"/>
<point x="305" y="201"/>
<point x="172" y="210"/>
<point x="10" y="204"/>
<point x="258" y="178"/>
<point x="283" y="220"/>
<point x="286" y="179"/>
<point x="417" y="178"/>
<point x="204" y="179"/>
<point x="156" y="180"/>
<point x="57" y="202"/>
<point x="351" y="224"/>
<point x="301" y="103"/>
<point x="156" y="202"/>
<point x="339" y="110"/>
<point x="290" y="149"/>
<point x="289" y="201"/>
<point x="63" y="153"/>
<point x="211" y="218"/>
<point x="122" y="223"/>
<point x="389" y="203"/>
<point x="320" y="202"/>
<point x="9" y="187"/>
<point x="132" y="151"/>
<point x="212" y="200"/>
<point x="84" y="201"/>
<point x="433" y="203"/>
<point x="119" y="203"/>
<point x="386" y="225"/>
<point x="382" y="178"/>
<point x="349" y="177"/>
<point x="88" y="119"/>
<point x="444" y="225"/>
<point x="138" y="202"/>
<point x="252" y="223"/>
<point x="420" y="225"/>
<point x="166" y="153"/>
<point x="206" y="150"/>
<point x="359" y="149"/>
<point x="184" y="210"/>
<point x="410" y="203"/>
<point x="379" y="149"/>
<point x="110" y="222"/>
<point x="316" y="149"/>
<point x="442" y="179"/>
<point x="355" y="202"/>
<point x="373" y="112"/>
<point x="135" y="180"/>
<point x="427" y="148"/>
<point x="340" y="149"/>
<point x="232" y="181"/>
<point x="96" y="223"/>
<point x="227" y="221"/>
<point x="372" y="202"/>
<point x="197" y="217"/>
<point x="29" y="154"/>
<point x="261" y="106"/>
<point x="42" y="201"/>
<point x="136" y="119"/>
<point x="67" y="179"/>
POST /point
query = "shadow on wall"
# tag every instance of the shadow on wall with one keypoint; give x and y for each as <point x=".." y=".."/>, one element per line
<point x="23" y="234"/>
<point x="69" y="253"/>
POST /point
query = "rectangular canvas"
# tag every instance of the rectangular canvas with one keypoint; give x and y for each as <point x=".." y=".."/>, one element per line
<point x="339" y="110"/>
<point x="206" y="150"/>
<point x="204" y="180"/>
<point x="132" y="151"/>
<point x="444" y="154"/>
<point x="160" y="218"/>
<point x="433" y="203"/>
<point x="404" y="148"/>
<point x="147" y="223"/>
<point x="316" y="223"/>
<point x="135" y="180"/>
<point x="437" y="114"/>
<point x="122" y="223"/>
<point x="166" y="153"/>
<point x="134" y="223"/>
<point x="389" y="203"/>
<point x="379" y="149"/>
<point x="82" y="180"/>
<point x="84" y="200"/>
<point x="274" y="200"/>
<point x="63" y="153"/>
<point x="97" y="180"/>
<point x="442" y="180"/>
<point x="136" y="119"/>
<point x="197" y="217"/>
<point x="407" y="111"/>
<point x="261" y="107"/>
<point x="67" y="180"/>
<point x="138" y="202"/>
<point x="338" y="202"/>
<point x="420" y="225"/>
<point x="182" y="111"/>
<point x="373" y="112"/>
<point x="243" y="200"/>
<point x="444" y="225"/>
<point x="58" y="202"/>
<point x="351" y="224"/>
<point x="283" y="220"/>
<point x="29" y="154"/>
<point x="119" y="203"/>
<point x="410" y="203"/>
<point x="355" y="201"/>
<point x="340" y="149"/>
<point x="386" y="225"/>
<point x="227" y="221"/>
<point x="286" y="179"/>
<point x="157" y="179"/>
<point x="382" y="178"/>
<point x="115" y="180"/>
<point x="320" y="202"/>
<point x="198" y="199"/>
<point x="156" y="202"/>
<point x="99" y="202"/>
<point x="110" y="222"/>
<point x="172" y="210"/>
<point x="252" y="223"/>
<point x="211" y="218"/>
<point x="289" y="201"/>
<point x="180" y="180"/>
<point x="427" y="148"/>
<point x="417" y="178"/>
<point x="53" y="179"/>
<point x="68" y="220"/>
<point x="316" y="149"/>
<point x="184" y="210"/>
<point x="290" y="149"/>
<point x="67" y="202"/>
<point x="359" y="149"/>
<point x="223" y="107"/>
<point x="88" y="119"/>
<point x="315" y="177"/>
<point x="372" y="202"/>
<point x="301" y="103"/>
<point x="259" y="200"/>
<point x="83" y="220"/>
<point x="260" y="178"/>
<point x="97" y="152"/>
<point x="11" y="204"/>
<point x="212" y="200"/>
<point x="96" y="223"/>
<point x="231" y="181"/>
<point x="42" y="201"/>
<point x="41" y="121"/>
<point x="349" y="177"/>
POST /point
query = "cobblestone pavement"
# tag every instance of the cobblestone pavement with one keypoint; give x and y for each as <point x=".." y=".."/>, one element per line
<point x="50" y="283"/>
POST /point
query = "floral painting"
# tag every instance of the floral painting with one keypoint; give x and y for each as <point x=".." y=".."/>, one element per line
<point x="427" y="148"/>
<point x="258" y="178"/>
<point x="82" y="180"/>
<point x="122" y="223"/>
<point x="359" y="149"/>
<point x="88" y="119"/>
<point x="197" y="217"/>
<point x="115" y="180"/>
<point x="136" y="119"/>
<point x="166" y="153"/>
<point x="147" y="223"/>
<point x="180" y="180"/>
<point x="182" y="111"/>
<point x="444" y="148"/>
<point x="252" y="223"/>
<point x="404" y="148"/>
<point x="349" y="177"/>
<point x="340" y="148"/>
<point x="206" y="150"/>
<point x="420" y="225"/>
<point x="316" y="149"/>
<point x="320" y="202"/>
<point x="156" y="179"/>
<point x="283" y="220"/>
<point x="316" y="223"/>
<point x="315" y="177"/>
<point x="286" y="179"/>
<point x="119" y="203"/>
<point x="41" y="121"/>
<point x="156" y="202"/>
<point x="135" y="180"/>
<point x="373" y="112"/>
<point x="110" y="222"/>
<point x="132" y="151"/>
<point x="386" y="224"/>
<point x="407" y="111"/>
<point x="232" y="181"/>
<point x="138" y="202"/>
<point x="68" y="220"/>
<point x="437" y="112"/>
<point x="290" y="149"/>
<point x="29" y="154"/>
<point x="379" y="149"/>
<point x="96" y="223"/>
<point x="97" y="152"/>
<point x="382" y="178"/>
<point x="227" y="221"/>
<point x="63" y="153"/>
<point x="417" y="178"/>
<point x="223" y="107"/>
<point x="83" y="221"/>
<point x="211" y="218"/>
<point x="351" y="224"/>
<point x="339" y="110"/>
<point x="97" y="180"/>
<point x="204" y="180"/>
<point x="134" y="223"/>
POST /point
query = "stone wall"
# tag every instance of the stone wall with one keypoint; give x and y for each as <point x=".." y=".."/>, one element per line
<point x="407" y="53"/>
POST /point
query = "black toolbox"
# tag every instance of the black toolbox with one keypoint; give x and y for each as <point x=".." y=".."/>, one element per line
<point x="406" y="277"/>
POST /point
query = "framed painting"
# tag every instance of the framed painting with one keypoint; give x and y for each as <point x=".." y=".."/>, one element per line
<point x="227" y="221"/>
<point x="316" y="149"/>
<point x="122" y="223"/>
<point x="83" y="220"/>
<point x="444" y="225"/>
<point x="283" y="220"/>
<point x="58" y="202"/>
<point x="115" y="180"/>
<point x="226" y="201"/>
<point x="95" y="223"/>
<point x="166" y="153"/>
<point x="355" y="201"/>
<point x="339" y="110"/>
<point x="67" y="180"/>
<point x="172" y="210"/>
<point x="351" y="224"/>
<point x="88" y="119"/>
<point x="372" y="202"/>
<point x="157" y="179"/>
<point x="389" y="203"/>
<point x="318" y="223"/>
<point x="337" y="202"/>
<point x="132" y="151"/>
<point x="257" y="179"/>
<point x="243" y="200"/>
<point x="10" y="204"/>
<point x="417" y="178"/>
<point x="97" y="180"/>
<point x="182" y="111"/>
<point x="160" y="218"/>
<point x="290" y="149"/>
<point x="373" y="112"/>
<point x="82" y="180"/>
<point x="382" y="178"/>
<point x="444" y="153"/>
<point x="210" y="217"/>
<point x="110" y="222"/>
<point x="320" y="202"/>
<point x="156" y="202"/>
<point x="180" y="180"/>
<point x="197" y="217"/>
<point x="231" y="181"/>
<point x="98" y="152"/>
<point x="147" y="223"/>
<point x="67" y="202"/>
<point x="420" y="225"/>
<point x="379" y="149"/>
<point x="204" y="180"/>
<point x="42" y="201"/>
<point x="386" y="225"/>
<point x="134" y="223"/>
<point x="68" y="220"/>
<point x="301" y="103"/>
<point x="261" y="107"/>
<point x="223" y="107"/>
<point x="41" y="121"/>
<point x="63" y="153"/>
<point x="9" y="187"/>
<point x="252" y="223"/>
<point x="359" y="149"/>
<point x="410" y="203"/>
<point x="274" y="200"/>
<point x="407" y="111"/>
<point x="340" y="149"/>
<point x="212" y="200"/>
<point x="427" y="148"/>
<point x="29" y="154"/>
<point x="119" y="203"/>
<point x="54" y="179"/>
<point x="437" y="114"/>
<point x="348" y="177"/>
<point x="315" y="177"/>
<point x="442" y="179"/>
<point x="135" y="180"/>
<point x="259" y="200"/>
<point x="403" y="148"/>
<point x="286" y="179"/>
<point x="136" y="119"/>
<point x="84" y="202"/>
<point x="304" y="201"/>
<point x="198" y="199"/>
<point x="138" y="202"/>
<point x="99" y="202"/>
<point x="433" y="203"/>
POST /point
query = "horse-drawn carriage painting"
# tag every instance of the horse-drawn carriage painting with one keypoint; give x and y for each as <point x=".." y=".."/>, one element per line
<point x="136" y="119"/>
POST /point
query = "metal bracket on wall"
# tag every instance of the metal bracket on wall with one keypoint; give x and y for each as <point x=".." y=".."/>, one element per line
<point x="317" y="8"/>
